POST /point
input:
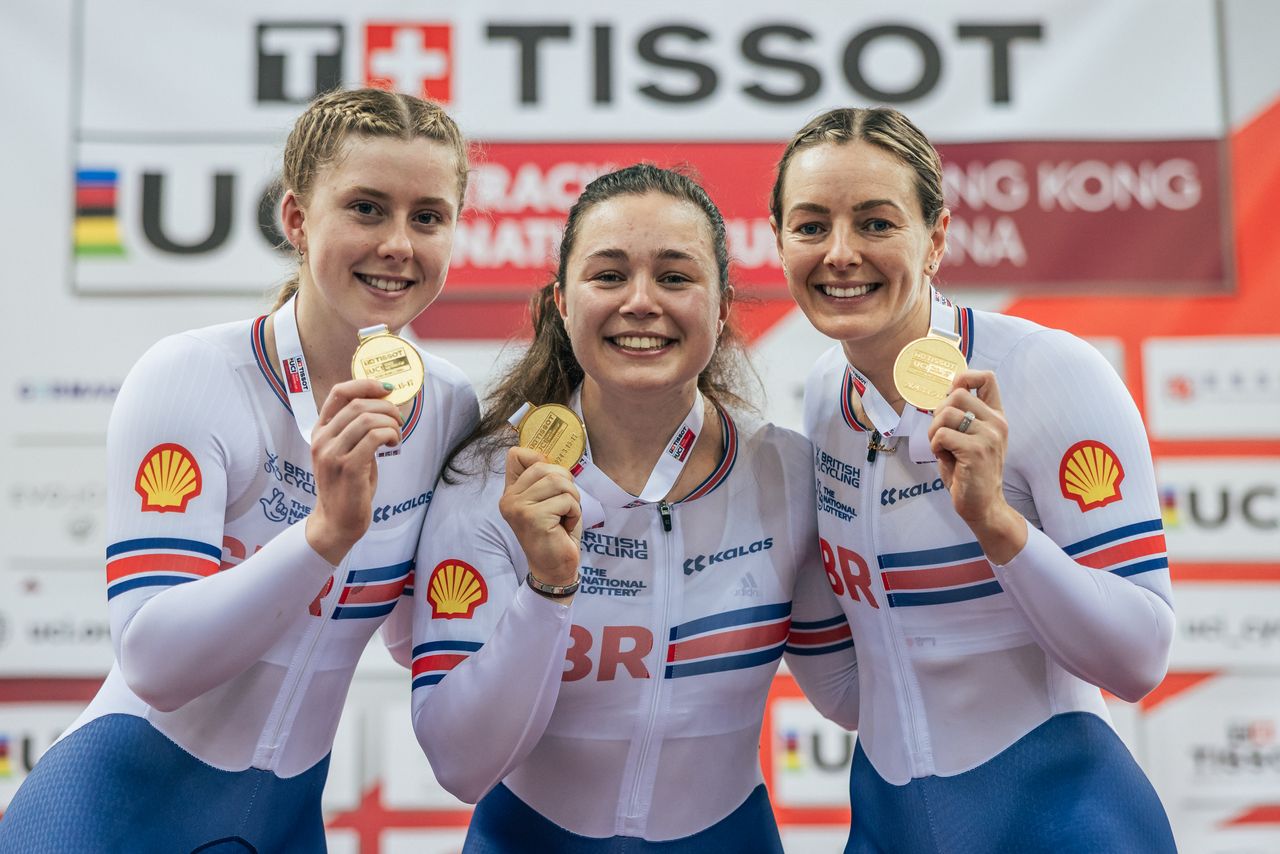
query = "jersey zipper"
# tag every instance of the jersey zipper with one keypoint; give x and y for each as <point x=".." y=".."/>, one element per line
<point x="300" y="670"/>
<point x="664" y="510"/>
<point x="906" y="677"/>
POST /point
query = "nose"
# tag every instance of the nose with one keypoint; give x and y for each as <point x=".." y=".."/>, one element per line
<point x="641" y="299"/>
<point x="843" y="251"/>
<point x="396" y="245"/>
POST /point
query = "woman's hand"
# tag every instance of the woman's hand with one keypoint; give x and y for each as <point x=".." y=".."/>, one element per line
<point x="353" y="424"/>
<point x="970" y="437"/>
<point x="543" y="508"/>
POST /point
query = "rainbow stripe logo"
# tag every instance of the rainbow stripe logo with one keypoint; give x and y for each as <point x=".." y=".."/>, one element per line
<point x="97" y="231"/>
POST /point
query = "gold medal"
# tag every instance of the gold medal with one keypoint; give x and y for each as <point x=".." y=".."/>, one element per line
<point x="390" y="359"/>
<point x="924" y="370"/>
<point x="554" y="430"/>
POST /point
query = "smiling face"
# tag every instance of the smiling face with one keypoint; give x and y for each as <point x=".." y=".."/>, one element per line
<point x="641" y="297"/>
<point x="376" y="232"/>
<point x="855" y="248"/>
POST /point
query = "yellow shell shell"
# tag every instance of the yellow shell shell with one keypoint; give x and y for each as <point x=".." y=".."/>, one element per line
<point x="455" y="589"/>
<point x="1090" y="473"/>
<point x="168" y="477"/>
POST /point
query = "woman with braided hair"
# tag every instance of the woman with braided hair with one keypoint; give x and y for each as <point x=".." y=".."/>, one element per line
<point x="236" y="632"/>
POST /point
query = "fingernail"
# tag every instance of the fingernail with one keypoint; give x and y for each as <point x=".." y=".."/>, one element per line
<point x="388" y="386"/>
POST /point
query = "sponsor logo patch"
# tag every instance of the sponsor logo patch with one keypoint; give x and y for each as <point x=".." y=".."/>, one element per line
<point x="168" y="478"/>
<point x="455" y="590"/>
<point x="681" y="444"/>
<point x="1090" y="475"/>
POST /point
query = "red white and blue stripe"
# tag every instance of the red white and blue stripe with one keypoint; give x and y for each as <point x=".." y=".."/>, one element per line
<point x="158" y="562"/>
<point x="721" y="473"/>
<point x="258" y="339"/>
<point x="852" y="387"/>
<point x="819" y="637"/>
<point x="372" y="592"/>
<point x="433" y="661"/>
<point x="964" y="326"/>
<point x="733" y="640"/>
<point x="937" y="576"/>
<point x="1125" y="551"/>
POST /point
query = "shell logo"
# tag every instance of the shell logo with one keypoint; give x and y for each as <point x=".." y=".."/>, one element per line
<point x="455" y="590"/>
<point x="1090" y="475"/>
<point x="167" y="479"/>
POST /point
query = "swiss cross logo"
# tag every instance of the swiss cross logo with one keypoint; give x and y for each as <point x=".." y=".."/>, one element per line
<point x="416" y="59"/>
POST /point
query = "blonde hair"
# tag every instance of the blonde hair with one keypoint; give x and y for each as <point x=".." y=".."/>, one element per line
<point x="319" y="134"/>
<point x="884" y="127"/>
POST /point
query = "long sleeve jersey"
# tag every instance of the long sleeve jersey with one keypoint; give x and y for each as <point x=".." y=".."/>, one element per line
<point x="232" y="636"/>
<point x="636" y="709"/>
<point x="958" y="657"/>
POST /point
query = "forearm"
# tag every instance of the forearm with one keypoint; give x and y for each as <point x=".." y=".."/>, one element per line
<point x="1099" y="626"/>
<point x="487" y="714"/>
<point x="196" y="636"/>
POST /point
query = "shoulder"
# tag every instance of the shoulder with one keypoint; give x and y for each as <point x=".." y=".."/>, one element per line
<point x="195" y="368"/>
<point x="764" y="438"/>
<point x="1005" y="343"/>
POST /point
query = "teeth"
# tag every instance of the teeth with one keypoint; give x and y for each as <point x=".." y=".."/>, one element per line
<point x="384" y="284"/>
<point x="640" y="342"/>
<point x="853" y="291"/>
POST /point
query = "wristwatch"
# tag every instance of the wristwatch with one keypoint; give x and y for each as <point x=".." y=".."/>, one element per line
<point x="553" y="591"/>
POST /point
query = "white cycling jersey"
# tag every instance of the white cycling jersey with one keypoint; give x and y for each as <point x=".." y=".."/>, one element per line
<point x="232" y="636"/>
<point x="635" y="710"/>
<point x="959" y="658"/>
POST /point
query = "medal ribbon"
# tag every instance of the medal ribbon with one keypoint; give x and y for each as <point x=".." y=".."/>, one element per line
<point x="943" y="323"/>
<point x="665" y="473"/>
<point x="297" y="379"/>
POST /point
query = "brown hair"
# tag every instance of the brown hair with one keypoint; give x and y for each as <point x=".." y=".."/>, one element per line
<point x="884" y="127"/>
<point x="319" y="134"/>
<point x="548" y="372"/>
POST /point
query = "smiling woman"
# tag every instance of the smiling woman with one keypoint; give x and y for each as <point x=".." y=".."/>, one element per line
<point x="633" y="682"/>
<point x="236" y="631"/>
<point x="1003" y="575"/>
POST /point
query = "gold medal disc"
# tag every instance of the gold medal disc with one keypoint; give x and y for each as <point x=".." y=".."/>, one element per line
<point x="924" y="370"/>
<point x="555" y="431"/>
<point x="390" y="359"/>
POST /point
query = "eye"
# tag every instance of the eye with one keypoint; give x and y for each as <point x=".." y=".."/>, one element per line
<point x="364" y="208"/>
<point x="809" y="229"/>
<point x="610" y="277"/>
<point x="429" y="218"/>
<point x="878" y="226"/>
<point x="674" y="278"/>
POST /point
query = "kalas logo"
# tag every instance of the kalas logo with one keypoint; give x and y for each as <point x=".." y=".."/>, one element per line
<point x="701" y="562"/>
<point x="892" y="496"/>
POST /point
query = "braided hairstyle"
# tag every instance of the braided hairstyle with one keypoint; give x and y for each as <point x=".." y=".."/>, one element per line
<point x="320" y="134"/>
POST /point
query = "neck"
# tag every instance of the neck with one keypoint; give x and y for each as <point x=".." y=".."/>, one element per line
<point x="629" y="433"/>
<point x="875" y="356"/>
<point x="327" y="344"/>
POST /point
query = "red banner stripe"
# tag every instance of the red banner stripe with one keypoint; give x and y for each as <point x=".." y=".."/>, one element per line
<point x="938" y="576"/>
<point x="372" y="593"/>
<point x="815" y="638"/>
<point x="740" y="640"/>
<point x="434" y="663"/>
<point x="134" y="564"/>
<point x="1124" y="552"/>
